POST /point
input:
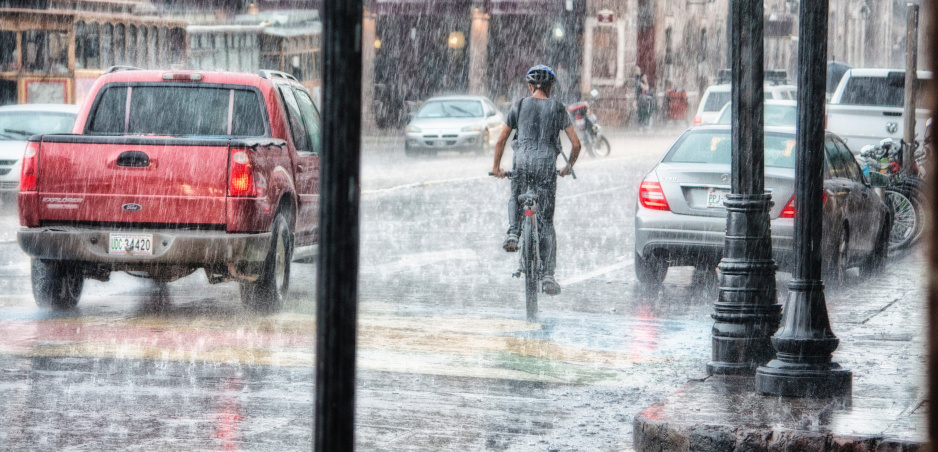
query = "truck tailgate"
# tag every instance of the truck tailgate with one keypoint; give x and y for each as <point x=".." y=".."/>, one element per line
<point x="862" y="125"/>
<point x="132" y="180"/>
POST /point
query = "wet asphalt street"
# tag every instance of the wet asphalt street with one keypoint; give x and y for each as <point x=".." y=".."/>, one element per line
<point x="446" y="358"/>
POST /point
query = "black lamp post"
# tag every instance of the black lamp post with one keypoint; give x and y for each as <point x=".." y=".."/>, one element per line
<point x="337" y="283"/>
<point x="747" y="311"/>
<point x="805" y="341"/>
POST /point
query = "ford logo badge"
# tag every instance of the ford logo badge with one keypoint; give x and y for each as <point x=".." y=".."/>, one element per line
<point x="132" y="207"/>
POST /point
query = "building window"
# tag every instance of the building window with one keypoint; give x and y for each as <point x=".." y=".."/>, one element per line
<point x="120" y="45"/>
<point x="132" y="45"/>
<point x="87" y="46"/>
<point x="45" y="51"/>
<point x="8" y="50"/>
<point x="107" y="45"/>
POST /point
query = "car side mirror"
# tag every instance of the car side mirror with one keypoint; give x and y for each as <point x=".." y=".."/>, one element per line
<point x="490" y="113"/>
<point x="878" y="180"/>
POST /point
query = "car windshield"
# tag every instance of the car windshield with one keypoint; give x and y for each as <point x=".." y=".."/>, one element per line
<point x="775" y="115"/>
<point x="178" y="111"/>
<point x="20" y="125"/>
<point x="713" y="147"/>
<point x="451" y="109"/>
<point x="716" y="100"/>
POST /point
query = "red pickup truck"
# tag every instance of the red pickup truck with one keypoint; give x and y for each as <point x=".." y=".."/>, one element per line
<point x="169" y="172"/>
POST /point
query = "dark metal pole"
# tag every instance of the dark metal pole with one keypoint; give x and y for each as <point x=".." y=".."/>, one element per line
<point x="804" y="341"/>
<point x="932" y="233"/>
<point x="911" y="88"/>
<point x="337" y="283"/>
<point x="747" y="312"/>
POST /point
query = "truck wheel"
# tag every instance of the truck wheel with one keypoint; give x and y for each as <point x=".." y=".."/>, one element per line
<point x="270" y="290"/>
<point x="55" y="284"/>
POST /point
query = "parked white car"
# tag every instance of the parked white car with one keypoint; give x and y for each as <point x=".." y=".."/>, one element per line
<point x="17" y="124"/>
<point x="716" y="96"/>
<point x="868" y="105"/>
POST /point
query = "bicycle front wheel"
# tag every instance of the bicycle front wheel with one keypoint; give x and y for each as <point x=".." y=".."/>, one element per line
<point x="601" y="147"/>
<point x="531" y="276"/>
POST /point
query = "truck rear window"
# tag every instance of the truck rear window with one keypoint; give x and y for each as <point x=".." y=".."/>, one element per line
<point x="874" y="91"/>
<point x="178" y="111"/>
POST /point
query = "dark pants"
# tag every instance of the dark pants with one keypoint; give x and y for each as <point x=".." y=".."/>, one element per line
<point x="543" y="178"/>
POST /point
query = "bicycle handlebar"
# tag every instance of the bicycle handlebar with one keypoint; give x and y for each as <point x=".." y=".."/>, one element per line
<point x="509" y="174"/>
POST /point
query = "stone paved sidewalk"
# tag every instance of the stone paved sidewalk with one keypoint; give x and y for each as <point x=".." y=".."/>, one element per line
<point x="881" y="324"/>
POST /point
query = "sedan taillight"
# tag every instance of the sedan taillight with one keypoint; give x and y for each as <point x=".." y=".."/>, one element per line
<point x="30" y="172"/>
<point x="652" y="197"/>
<point x="789" y="210"/>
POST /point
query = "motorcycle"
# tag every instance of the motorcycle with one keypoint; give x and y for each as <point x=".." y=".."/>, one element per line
<point x="588" y="129"/>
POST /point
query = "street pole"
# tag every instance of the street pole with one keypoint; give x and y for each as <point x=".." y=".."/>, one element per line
<point x="911" y="88"/>
<point x="337" y="273"/>
<point x="747" y="311"/>
<point x="805" y="342"/>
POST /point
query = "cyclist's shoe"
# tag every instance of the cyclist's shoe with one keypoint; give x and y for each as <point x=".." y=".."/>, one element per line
<point x="511" y="243"/>
<point x="549" y="286"/>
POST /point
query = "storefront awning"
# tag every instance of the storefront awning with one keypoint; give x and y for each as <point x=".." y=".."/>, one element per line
<point x="524" y="6"/>
<point x="437" y="7"/>
<point x="420" y="7"/>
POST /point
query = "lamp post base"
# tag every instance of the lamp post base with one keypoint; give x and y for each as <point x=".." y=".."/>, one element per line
<point x="783" y="379"/>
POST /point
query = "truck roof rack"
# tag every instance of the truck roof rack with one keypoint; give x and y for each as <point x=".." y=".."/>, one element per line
<point x="121" y="68"/>
<point x="269" y="74"/>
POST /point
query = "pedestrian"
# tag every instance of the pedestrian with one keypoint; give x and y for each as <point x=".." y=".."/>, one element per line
<point x="538" y="121"/>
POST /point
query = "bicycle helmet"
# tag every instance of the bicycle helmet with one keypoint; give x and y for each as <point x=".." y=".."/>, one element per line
<point x="540" y="75"/>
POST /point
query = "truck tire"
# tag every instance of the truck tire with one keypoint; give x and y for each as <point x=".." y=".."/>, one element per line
<point x="56" y="285"/>
<point x="269" y="291"/>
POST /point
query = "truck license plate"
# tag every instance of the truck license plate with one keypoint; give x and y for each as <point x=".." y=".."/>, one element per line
<point x="131" y="244"/>
<point x="715" y="197"/>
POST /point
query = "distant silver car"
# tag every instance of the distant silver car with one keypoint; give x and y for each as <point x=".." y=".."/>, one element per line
<point x="17" y="124"/>
<point x="680" y="219"/>
<point x="453" y="123"/>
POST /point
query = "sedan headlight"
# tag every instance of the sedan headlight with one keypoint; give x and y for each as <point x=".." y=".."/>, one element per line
<point x="413" y="129"/>
<point x="472" y="129"/>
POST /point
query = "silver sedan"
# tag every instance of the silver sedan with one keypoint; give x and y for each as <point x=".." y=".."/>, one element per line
<point x="453" y="123"/>
<point x="680" y="219"/>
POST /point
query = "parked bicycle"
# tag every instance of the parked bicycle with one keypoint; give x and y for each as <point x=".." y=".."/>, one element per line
<point x="904" y="194"/>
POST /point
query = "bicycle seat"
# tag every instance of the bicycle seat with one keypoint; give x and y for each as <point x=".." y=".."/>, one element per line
<point x="527" y="197"/>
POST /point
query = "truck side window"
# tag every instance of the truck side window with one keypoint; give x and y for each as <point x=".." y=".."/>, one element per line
<point x="297" y="128"/>
<point x="310" y="120"/>
<point x="108" y="116"/>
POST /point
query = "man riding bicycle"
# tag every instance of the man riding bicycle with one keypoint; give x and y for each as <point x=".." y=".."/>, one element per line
<point x="538" y="121"/>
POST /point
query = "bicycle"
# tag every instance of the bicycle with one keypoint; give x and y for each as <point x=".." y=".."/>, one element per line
<point x="529" y="261"/>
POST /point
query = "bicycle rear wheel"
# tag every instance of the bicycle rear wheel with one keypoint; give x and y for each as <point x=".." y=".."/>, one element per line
<point x="531" y="276"/>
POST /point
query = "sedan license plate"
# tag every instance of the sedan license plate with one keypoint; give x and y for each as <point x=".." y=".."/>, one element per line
<point x="715" y="197"/>
<point x="131" y="244"/>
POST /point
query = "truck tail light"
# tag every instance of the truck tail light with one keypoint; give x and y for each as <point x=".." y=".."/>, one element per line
<point x="240" y="174"/>
<point x="789" y="210"/>
<point x="30" y="171"/>
<point x="652" y="197"/>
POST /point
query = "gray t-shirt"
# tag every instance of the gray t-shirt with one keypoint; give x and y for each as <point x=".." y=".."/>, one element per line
<point x="537" y="124"/>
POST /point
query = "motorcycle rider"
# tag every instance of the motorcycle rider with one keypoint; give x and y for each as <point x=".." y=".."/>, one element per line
<point x="538" y="121"/>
